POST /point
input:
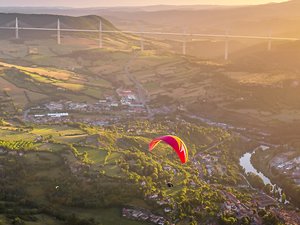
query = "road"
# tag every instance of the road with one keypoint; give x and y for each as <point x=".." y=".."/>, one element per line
<point x="141" y="92"/>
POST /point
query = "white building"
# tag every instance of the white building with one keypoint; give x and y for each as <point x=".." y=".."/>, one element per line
<point x="57" y="115"/>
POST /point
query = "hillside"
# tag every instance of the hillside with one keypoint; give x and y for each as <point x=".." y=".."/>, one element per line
<point x="50" y="21"/>
<point x="284" y="57"/>
<point x="66" y="118"/>
<point x="278" y="18"/>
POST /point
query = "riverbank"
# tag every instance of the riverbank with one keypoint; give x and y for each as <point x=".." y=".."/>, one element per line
<point x="260" y="160"/>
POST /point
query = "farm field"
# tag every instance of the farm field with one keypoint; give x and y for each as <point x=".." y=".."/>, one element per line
<point x="96" y="160"/>
<point x="76" y="121"/>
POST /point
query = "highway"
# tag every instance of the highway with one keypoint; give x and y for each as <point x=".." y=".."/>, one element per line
<point x="226" y="36"/>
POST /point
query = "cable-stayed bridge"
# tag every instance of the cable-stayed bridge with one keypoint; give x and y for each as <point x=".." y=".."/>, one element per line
<point x="57" y="27"/>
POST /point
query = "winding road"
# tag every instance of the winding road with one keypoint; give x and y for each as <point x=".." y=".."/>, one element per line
<point x="141" y="91"/>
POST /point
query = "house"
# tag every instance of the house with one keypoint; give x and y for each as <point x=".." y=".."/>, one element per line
<point x="114" y="105"/>
<point x="57" y="115"/>
<point x="2" y="151"/>
<point x="54" y="106"/>
<point x="33" y="51"/>
<point x="168" y="168"/>
<point x="167" y="210"/>
<point x="155" y="196"/>
<point x="193" y="184"/>
<point x="38" y="115"/>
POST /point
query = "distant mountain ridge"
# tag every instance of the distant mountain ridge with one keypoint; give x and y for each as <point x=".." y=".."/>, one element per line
<point x="275" y="18"/>
<point x="95" y="10"/>
<point x="50" y="21"/>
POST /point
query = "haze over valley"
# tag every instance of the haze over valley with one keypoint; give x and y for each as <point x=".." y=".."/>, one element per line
<point x="83" y="91"/>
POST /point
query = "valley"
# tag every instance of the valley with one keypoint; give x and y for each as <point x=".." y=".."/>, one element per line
<point x="76" y="121"/>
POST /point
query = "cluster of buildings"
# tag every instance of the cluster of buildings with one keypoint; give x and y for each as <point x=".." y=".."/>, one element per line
<point x="170" y="168"/>
<point x="129" y="99"/>
<point x="290" y="217"/>
<point x="102" y="105"/>
<point x="233" y="205"/>
<point x="52" y="115"/>
<point x="211" y="163"/>
<point x="289" y="166"/>
<point x="138" y="214"/>
<point x="60" y="111"/>
<point x="49" y="117"/>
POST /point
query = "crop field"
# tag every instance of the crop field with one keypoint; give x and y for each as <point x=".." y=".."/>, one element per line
<point x="263" y="78"/>
<point x="32" y="84"/>
<point x="96" y="155"/>
<point x="47" y="72"/>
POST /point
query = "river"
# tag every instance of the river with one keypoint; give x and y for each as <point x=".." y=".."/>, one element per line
<point x="245" y="162"/>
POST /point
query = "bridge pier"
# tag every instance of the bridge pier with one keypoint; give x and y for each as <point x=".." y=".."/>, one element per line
<point x="58" y="32"/>
<point x="270" y="42"/>
<point x="226" y="53"/>
<point x="184" y="44"/>
<point x="270" y="45"/>
<point x="100" y="34"/>
<point x="17" y="28"/>
<point x="184" y="47"/>
<point x="142" y="43"/>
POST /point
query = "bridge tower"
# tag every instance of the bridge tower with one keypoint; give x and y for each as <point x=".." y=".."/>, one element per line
<point x="184" y="43"/>
<point x="100" y="34"/>
<point x="270" y="42"/>
<point x="184" y="47"/>
<point x="226" y="53"/>
<point x="58" y="32"/>
<point x="17" y="28"/>
<point x="142" y="42"/>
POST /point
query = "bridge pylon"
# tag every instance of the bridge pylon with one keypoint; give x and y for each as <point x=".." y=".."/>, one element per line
<point x="17" y="28"/>
<point x="270" y="42"/>
<point x="100" y="34"/>
<point x="226" y="52"/>
<point x="142" y="42"/>
<point x="58" y="32"/>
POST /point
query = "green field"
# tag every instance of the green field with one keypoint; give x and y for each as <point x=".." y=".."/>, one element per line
<point x="93" y="172"/>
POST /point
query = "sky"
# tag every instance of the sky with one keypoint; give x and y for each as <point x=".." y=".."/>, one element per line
<point x="100" y="3"/>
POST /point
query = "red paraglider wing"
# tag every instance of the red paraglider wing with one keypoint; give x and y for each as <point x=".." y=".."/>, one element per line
<point x="175" y="142"/>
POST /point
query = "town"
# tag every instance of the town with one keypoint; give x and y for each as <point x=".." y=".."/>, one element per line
<point x="112" y="109"/>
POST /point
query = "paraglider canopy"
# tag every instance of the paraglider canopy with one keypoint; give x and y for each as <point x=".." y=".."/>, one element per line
<point x="175" y="142"/>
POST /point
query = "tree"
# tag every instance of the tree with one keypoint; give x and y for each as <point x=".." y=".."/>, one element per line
<point x="245" y="221"/>
<point x="228" y="219"/>
<point x="193" y="222"/>
<point x="271" y="219"/>
<point x="18" y="221"/>
<point x="283" y="198"/>
<point x="255" y="180"/>
<point x="268" y="188"/>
